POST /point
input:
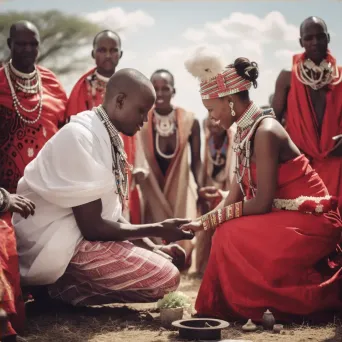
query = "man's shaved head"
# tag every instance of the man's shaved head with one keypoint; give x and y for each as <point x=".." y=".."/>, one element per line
<point x="310" y="20"/>
<point x="23" y="41"/>
<point x="106" y="52"/>
<point x="129" y="97"/>
<point x="107" y="34"/>
<point x="22" y="25"/>
<point x="314" y="38"/>
<point x="128" y="81"/>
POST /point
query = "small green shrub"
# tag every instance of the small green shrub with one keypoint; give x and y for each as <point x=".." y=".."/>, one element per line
<point x="174" y="300"/>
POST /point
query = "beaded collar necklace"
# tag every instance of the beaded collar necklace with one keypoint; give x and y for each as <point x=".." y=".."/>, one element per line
<point x="246" y="127"/>
<point x="165" y="126"/>
<point x="317" y="76"/>
<point x="27" y="83"/>
<point x="120" y="163"/>
<point x="22" y="82"/>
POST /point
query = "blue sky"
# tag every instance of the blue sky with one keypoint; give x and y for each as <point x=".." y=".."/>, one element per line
<point x="158" y="34"/>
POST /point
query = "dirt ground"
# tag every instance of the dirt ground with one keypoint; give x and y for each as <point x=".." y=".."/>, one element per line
<point x="140" y="323"/>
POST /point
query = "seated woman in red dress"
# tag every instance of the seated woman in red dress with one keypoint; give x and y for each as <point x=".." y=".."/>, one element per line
<point x="278" y="230"/>
<point x="12" y="311"/>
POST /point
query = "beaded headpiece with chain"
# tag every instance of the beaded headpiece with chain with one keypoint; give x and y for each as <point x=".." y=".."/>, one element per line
<point x="217" y="80"/>
<point x="121" y="167"/>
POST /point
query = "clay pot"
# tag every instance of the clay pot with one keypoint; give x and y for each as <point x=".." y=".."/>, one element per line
<point x="167" y="316"/>
<point x="268" y="320"/>
<point x="249" y="326"/>
<point x="277" y="328"/>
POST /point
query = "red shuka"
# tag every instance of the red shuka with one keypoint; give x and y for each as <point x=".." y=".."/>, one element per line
<point x="19" y="145"/>
<point x="302" y="126"/>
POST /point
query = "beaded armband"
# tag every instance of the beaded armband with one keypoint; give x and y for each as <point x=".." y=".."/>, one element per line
<point x="214" y="219"/>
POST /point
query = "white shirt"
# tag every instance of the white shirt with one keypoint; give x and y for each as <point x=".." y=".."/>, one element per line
<point x="73" y="168"/>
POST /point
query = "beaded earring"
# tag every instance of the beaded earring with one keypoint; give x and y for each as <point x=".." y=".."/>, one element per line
<point x="231" y="105"/>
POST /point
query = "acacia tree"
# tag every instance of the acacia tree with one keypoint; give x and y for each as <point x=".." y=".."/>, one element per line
<point x="65" y="39"/>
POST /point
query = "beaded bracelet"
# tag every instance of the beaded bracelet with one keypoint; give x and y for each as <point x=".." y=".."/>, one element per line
<point x="214" y="219"/>
<point x="4" y="200"/>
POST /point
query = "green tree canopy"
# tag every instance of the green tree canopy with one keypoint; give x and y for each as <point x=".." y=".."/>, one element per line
<point x="65" y="39"/>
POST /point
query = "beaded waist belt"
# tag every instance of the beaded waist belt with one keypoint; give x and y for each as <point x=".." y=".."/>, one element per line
<point x="307" y="204"/>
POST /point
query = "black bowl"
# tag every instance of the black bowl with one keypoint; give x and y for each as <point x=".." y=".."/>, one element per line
<point x="200" y="328"/>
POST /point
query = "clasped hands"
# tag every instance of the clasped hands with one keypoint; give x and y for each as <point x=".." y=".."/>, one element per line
<point x="185" y="227"/>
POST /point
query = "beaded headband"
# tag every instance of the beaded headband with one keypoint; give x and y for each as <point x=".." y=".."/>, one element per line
<point x="216" y="79"/>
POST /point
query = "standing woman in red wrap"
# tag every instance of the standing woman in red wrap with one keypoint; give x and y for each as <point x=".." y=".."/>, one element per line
<point x="278" y="221"/>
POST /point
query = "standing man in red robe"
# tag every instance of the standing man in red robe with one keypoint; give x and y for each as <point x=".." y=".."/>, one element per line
<point x="89" y="90"/>
<point x="32" y="108"/>
<point x="309" y="98"/>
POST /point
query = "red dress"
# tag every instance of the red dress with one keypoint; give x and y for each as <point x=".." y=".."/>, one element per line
<point x="270" y="261"/>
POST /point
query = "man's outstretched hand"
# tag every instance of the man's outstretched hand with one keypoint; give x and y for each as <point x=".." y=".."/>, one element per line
<point x="171" y="230"/>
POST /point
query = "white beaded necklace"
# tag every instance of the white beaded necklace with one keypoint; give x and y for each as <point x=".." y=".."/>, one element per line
<point x="165" y="127"/>
<point x="246" y="127"/>
<point x="16" y="102"/>
<point x="101" y="78"/>
<point x="165" y="124"/>
<point x="27" y="83"/>
<point x="317" y="76"/>
<point x="120" y="163"/>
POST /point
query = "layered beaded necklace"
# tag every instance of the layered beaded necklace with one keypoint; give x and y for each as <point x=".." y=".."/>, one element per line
<point x="96" y="84"/>
<point x="26" y="83"/>
<point x="246" y="127"/>
<point x="317" y="76"/>
<point x="165" y="126"/>
<point x="121" y="167"/>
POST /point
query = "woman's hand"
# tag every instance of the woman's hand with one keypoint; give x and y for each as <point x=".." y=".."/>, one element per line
<point x="193" y="226"/>
<point x="171" y="231"/>
<point x="21" y="205"/>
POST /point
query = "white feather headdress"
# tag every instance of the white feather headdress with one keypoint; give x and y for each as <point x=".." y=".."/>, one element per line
<point x="204" y="63"/>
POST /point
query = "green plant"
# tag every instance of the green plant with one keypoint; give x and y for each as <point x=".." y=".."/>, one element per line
<point x="174" y="300"/>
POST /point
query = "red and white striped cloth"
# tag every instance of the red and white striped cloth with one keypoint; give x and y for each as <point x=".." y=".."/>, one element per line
<point x="227" y="82"/>
<point x="114" y="272"/>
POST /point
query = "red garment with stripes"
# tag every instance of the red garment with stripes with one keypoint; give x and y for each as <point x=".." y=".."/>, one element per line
<point x="114" y="272"/>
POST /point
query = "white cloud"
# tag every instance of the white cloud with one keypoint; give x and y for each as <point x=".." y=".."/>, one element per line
<point x="272" y="27"/>
<point x="268" y="40"/>
<point x="117" y="19"/>
<point x="194" y="35"/>
<point x="284" y="57"/>
<point x="271" y="41"/>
